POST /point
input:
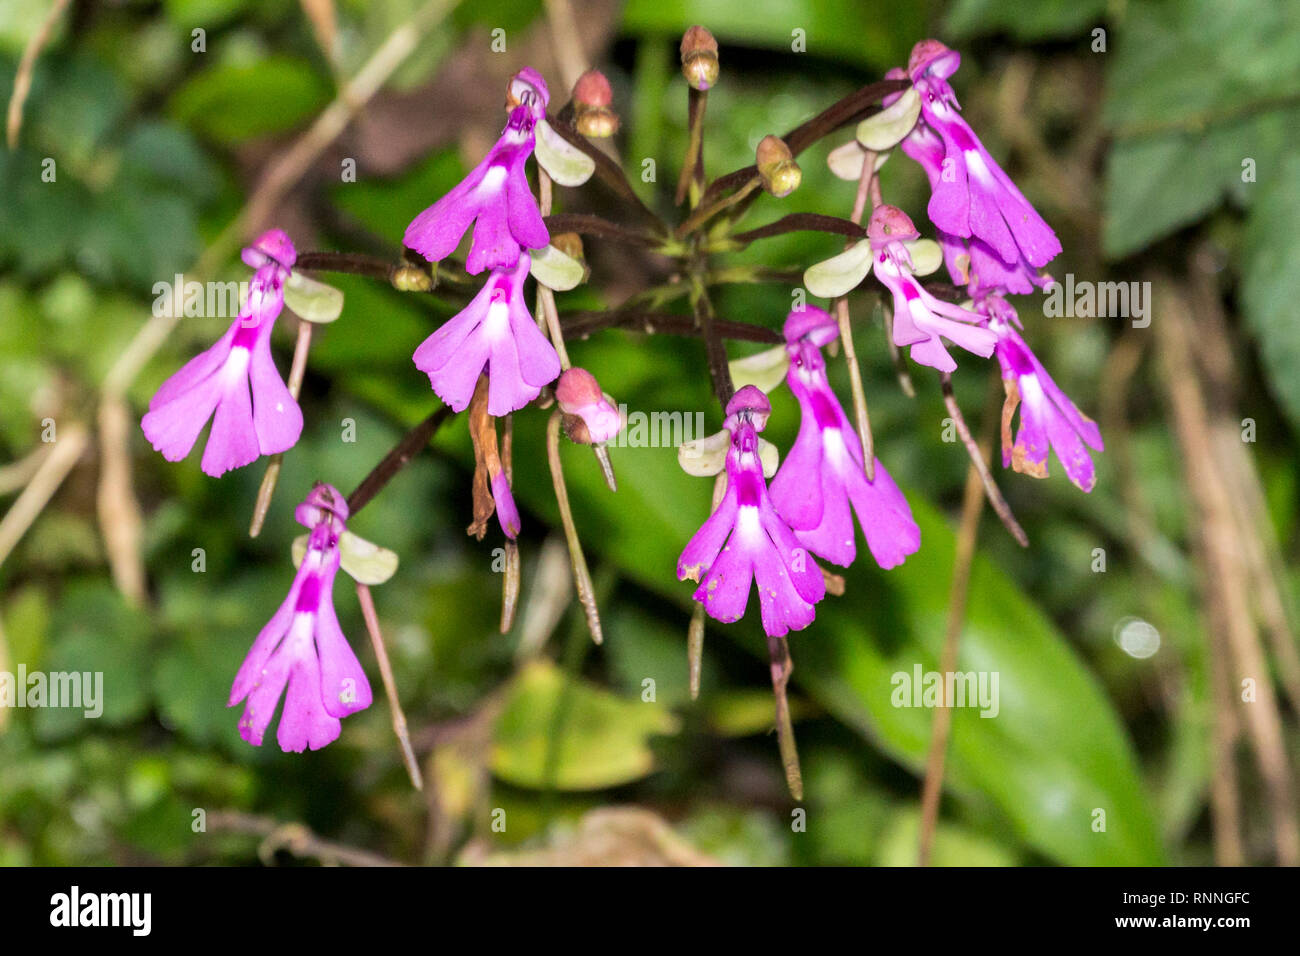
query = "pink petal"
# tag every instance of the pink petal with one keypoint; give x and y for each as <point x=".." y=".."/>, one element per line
<point x="343" y="685"/>
<point x="277" y="419"/>
<point x="233" y="441"/>
<point x="305" y="724"/>
<point x="701" y="551"/>
<point x="192" y="373"/>
<point x="174" y="427"/>
<point x="436" y="232"/>
<point x="724" y="590"/>
<point x="886" y="518"/>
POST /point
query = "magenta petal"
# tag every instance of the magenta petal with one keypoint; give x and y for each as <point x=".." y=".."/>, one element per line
<point x="949" y="206"/>
<point x="1071" y="451"/>
<point x="525" y="218"/>
<point x="493" y="246"/>
<point x="724" y="590"/>
<point x="833" y="537"/>
<point x="305" y="724"/>
<point x="277" y="418"/>
<point x="507" y="391"/>
<point x="886" y="518"/>
<point x="781" y="607"/>
<point x="986" y="217"/>
<point x="804" y="574"/>
<point x="539" y="364"/>
<point x="343" y="684"/>
<point x="233" y="440"/>
<point x="703" y="548"/>
<point x="507" y="512"/>
<point x="444" y="344"/>
<point x="436" y="232"/>
<point x="174" y="427"/>
<point x="192" y="373"/>
<point x="250" y="674"/>
<point x="454" y="383"/>
<point x="796" y="492"/>
<point x="263" y="696"/>
<point x="1031" y="440"/>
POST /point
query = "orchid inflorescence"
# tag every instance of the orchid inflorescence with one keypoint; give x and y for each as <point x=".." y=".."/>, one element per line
<point x="496" y="356"/>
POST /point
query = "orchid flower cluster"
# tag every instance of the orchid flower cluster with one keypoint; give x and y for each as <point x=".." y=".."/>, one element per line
<point x="495" y="357"/>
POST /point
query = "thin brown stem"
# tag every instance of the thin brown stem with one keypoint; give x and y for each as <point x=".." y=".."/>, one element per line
<point x="579" y="325"/>
<point x="860" y="413"/>
<point x="895" y="354"/>
<point x="695" y="633"/>
<point x="714" y="349"/>
<point x="297" y="371"/>
<point x="390" y="685"/>
<point x="610" y="173"/>
<point x="294" y="837"/>
<point x="397" y="459"/>
<point x="692" y="178"/>
<point x="999" y="504"/>
<point x="702" y="213"/>
<point x="800" y="222"/>
<point x="589" y="225"/>
<point x="27" y="66"/>
<point x="581" y="574"/>
<point x="782" y="667"/>
<point x="932" y="789"/>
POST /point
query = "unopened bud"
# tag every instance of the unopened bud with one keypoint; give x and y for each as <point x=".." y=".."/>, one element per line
<point x="593" y="115"/>
<point x="781" y="174"/>
<point x="411" y="278"/>
<point x="889" y="223"/>
<point x="589" y="414"/>
<point x="699" y="58"/>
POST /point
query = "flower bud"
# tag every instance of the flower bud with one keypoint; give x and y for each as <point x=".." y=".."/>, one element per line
<point x="411" y="278"/>
<point x="933" y="57"/>
<point x="781" y="174"/>
<point x="889" y="223"/>
<point x="592" y="96"/>
<point x="589" y="414"/>
<point x="699" y="58"/>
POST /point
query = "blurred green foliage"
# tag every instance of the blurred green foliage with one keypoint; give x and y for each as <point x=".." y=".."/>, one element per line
<point x="156" y="147"/>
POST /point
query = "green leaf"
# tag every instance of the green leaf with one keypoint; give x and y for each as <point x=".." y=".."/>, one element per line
<point x="953" y="845"/>
<point x="312" y="300"/>
<point x="563" y="162"/>
<point x="364" y="561"/>
<point x="1196" y="92"/>
<point x="926" y="255"/>
<point x="556" y="270"/>
<point x="604" y="739"/>
<point x="1193" y="63"/>
<point x="846" y="161"/>
<point x="886" y="129"/>
<point x="94" y="632"/>
<point x="839" y="275"/>
<point x="235" y="103"/>
<point x="1271" y="282"/>
<point x="1153" y="186"/>
<point x="765" y="369"/>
